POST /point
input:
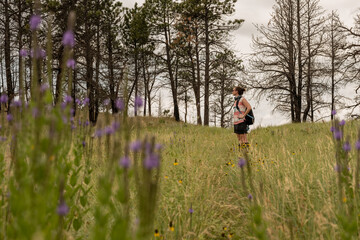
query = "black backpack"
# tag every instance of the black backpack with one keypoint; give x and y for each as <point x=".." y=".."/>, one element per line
<point x="249" y="118"/>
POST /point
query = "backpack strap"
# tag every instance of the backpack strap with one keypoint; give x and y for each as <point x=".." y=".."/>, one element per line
<point x="237" y="103"/>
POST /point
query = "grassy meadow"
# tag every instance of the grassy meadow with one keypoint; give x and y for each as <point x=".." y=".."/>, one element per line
<point x="292" y="168"/>
<point x="287" y="190"/>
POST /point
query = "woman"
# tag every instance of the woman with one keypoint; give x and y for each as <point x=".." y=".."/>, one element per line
<point x="241" y="109"/>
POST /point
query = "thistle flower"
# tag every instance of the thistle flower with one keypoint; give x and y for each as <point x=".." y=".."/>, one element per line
<point x="250" y="197"/>
<point x="9" y="117"/>
<point x="86" y="101"/>
<point x="35" y="21"/>
<point x="109" y="130"/>
<point x="44" y="87"/>
<point x="106" y="102"/>
<point x="35" y="112"/>
<point x="337" y="168"/>
<point x="4" y="98"/>
<point x="333" y="112"/>
<point x="24" y="53"/>
<point x="136" y="146"/>
<point x="158" y="146"/>
<point x="338" y="134"/>
<point x="357" y="145"/>
<point x="342" y="123"/>
<point x="83" y="143"/>
<point x="68" y="99"/>
<point x="347" y="147"/>
<point x="191" y="211"/>
<point x="242" y="162"/>
<point x="37" y="53"/>
<point x="115" y="125"/>
<point x="68" y="39"/>
<point x="151" y="161"/>
<point x="332" y="129"/>
<point x="71" y="63"/>
<point x="119" y="104"/>
<point x="124" y="162"/>
<point x="62" y="209"/>
<point x="16" y="103"/>
<point x="98" y="133"/>
<point x="138" y="102"/>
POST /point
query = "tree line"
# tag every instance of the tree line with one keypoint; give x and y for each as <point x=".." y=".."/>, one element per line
<point x="125" y="53"/>
<point x="302" y="59"/>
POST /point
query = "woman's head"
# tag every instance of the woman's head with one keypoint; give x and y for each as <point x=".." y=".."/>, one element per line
<point x="238" y="91"/>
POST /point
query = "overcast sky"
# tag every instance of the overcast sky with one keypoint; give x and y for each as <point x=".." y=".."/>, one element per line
<point x="258" y="12"/>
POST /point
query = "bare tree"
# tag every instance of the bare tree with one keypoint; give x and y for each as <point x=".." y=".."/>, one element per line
<point x="353" y="67"/>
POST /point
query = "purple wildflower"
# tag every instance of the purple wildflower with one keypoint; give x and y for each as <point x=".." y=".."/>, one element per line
<point x="78" y="101"/>
<point x="347" y="147"/>
<point x="338" y="134"/>
<point x="136" y="146"/>
<point x="72" y="112"/>
<point x="333" y="112"/>
<point x="62" y="209"/>
<point x="115" y="125"/>
<point x="24" y="53"/>
<point x="86" y="101"/>
<point x="16" y="103"/>
<point x="44" y="87"/>
<point x="250" y="197"/>
<point x="73" y="127"/>
<point x="37" y="53"/>
<point x="98" y="133"/>
<point x="119" y="104"/>
<point x="158" y="146"/>
<point x="138" y="102"/>
<point x="68" y="99"/>
<point x="109" y="130"/>
<point x="242" y="162"/>
<point x="124" y="162"/>
<point x="83" y="143"/>
<point x="342" y="123"/>
<point x="87" y="123"/>
<point x="151" y="161"/>
<point x="4" y="98"/>
<point x="106" y="102"/>
<point x="2" y="139"/>
<point x="332" y="129"/>
<point x="191" y="211"/>
<point x="71" y="63"/>
<point x="35" y="112"/>
<point x="9" y="117"/>
<point x="63" y="105"/>
<point x="35" y="21"/>
<point x="68" y="39"/>
<point x="65" y="120"/>
<point x="337" y="168"/>
<point x="357" y="145"/>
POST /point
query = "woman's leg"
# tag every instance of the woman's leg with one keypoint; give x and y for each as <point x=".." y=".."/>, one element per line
<point x="239" y="139"/>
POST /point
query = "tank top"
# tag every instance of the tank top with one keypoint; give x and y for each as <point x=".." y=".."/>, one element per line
<point x="242" y="108"/>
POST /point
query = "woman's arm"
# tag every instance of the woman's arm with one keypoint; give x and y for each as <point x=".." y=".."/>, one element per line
<point x="247" y="105"/>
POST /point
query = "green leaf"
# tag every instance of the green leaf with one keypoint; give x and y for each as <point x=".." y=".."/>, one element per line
<point x="77" y="224"/>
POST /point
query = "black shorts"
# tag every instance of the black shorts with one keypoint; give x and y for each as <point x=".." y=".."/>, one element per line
<point x="241" y="128"/>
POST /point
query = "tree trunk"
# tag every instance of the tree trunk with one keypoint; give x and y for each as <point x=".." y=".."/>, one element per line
<point x="10" y="90"/>
<point x="300" y="67"/>
<point x="171" y="75"/>
<point x="207" y="67"/>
